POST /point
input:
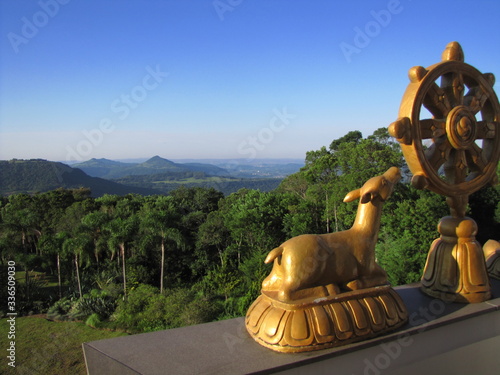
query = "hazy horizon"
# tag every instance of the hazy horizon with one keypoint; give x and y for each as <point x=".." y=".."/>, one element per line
<point x="217" y="79"/>
<point x="184" y="160"/>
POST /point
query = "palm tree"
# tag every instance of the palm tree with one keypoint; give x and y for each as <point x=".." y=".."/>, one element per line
<point x="53" y="244"/>
<point x="157" y="221"/>
<point x="79" y="246"/>
<point x="93" y="224"/>
<point x="22" y="223"/>
<point x="121" y="233"/>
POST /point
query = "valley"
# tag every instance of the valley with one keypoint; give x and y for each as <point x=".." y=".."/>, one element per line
<point x="152" y="176"/>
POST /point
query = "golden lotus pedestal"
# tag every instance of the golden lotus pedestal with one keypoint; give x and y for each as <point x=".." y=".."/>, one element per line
<point x="456" y="270"/>
<point x="319" y="323"/>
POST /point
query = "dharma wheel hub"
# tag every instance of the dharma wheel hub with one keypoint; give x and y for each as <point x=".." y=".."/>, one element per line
<point x="461" y="127"/>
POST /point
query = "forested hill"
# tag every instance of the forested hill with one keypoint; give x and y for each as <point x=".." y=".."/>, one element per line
<point x="110" y="169"/>
<point x="37" y="175"/>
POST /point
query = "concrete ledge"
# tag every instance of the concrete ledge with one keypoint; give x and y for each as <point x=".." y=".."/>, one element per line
<point x="438" y="333"/>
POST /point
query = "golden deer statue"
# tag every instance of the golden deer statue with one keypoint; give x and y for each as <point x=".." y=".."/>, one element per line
<point x="325" y="264"/>
<point x="327" y="290"/>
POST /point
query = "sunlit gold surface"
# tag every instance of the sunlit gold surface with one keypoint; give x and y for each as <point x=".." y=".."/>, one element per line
<point x="452" y="150"/>
<point x="449" y="126"/>
<point x="326" y="290"/>
<point x="311" y="265"/>
<point x="491" y="251"/>
<point x="313" y="324"/>
<point x="455" y="270"/>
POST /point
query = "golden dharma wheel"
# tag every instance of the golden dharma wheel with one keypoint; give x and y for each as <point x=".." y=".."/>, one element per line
<point x="449" y="126"/>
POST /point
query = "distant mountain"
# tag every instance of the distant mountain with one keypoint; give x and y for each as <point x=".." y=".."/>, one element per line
<point x="101" y="167"/>
<point x="109" y="169"/>
<point x="154" y="176"/>
<point x="37" y="175"/>
<point x="157" y="162"/>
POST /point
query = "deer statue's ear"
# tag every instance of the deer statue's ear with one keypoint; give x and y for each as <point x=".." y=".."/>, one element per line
<point x="366" y="198"/>
<point x="355" y="194"/>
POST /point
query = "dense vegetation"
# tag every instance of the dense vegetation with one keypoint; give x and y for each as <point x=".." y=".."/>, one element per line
<point x="144" y="263"/>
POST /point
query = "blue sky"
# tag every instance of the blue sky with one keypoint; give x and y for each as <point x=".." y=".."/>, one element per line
<point x="217" y="78"/>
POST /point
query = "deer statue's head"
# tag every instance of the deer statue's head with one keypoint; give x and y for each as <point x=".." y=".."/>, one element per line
<point x="379" y="187"/>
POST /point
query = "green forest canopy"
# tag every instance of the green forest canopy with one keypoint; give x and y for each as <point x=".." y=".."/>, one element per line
<point x="152" y="262"/>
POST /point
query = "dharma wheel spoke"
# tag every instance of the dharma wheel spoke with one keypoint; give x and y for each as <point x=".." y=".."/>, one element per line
<point x="456" y="167"/>
<point x="475" y="99"/>
<point x="487" y="129"/>
<point x="437" y="102"/>
<point x="438" y="153"/>
<point x="432" y="128"/>
<point x="453" y="87"/>
<point x="475" y="160"/>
